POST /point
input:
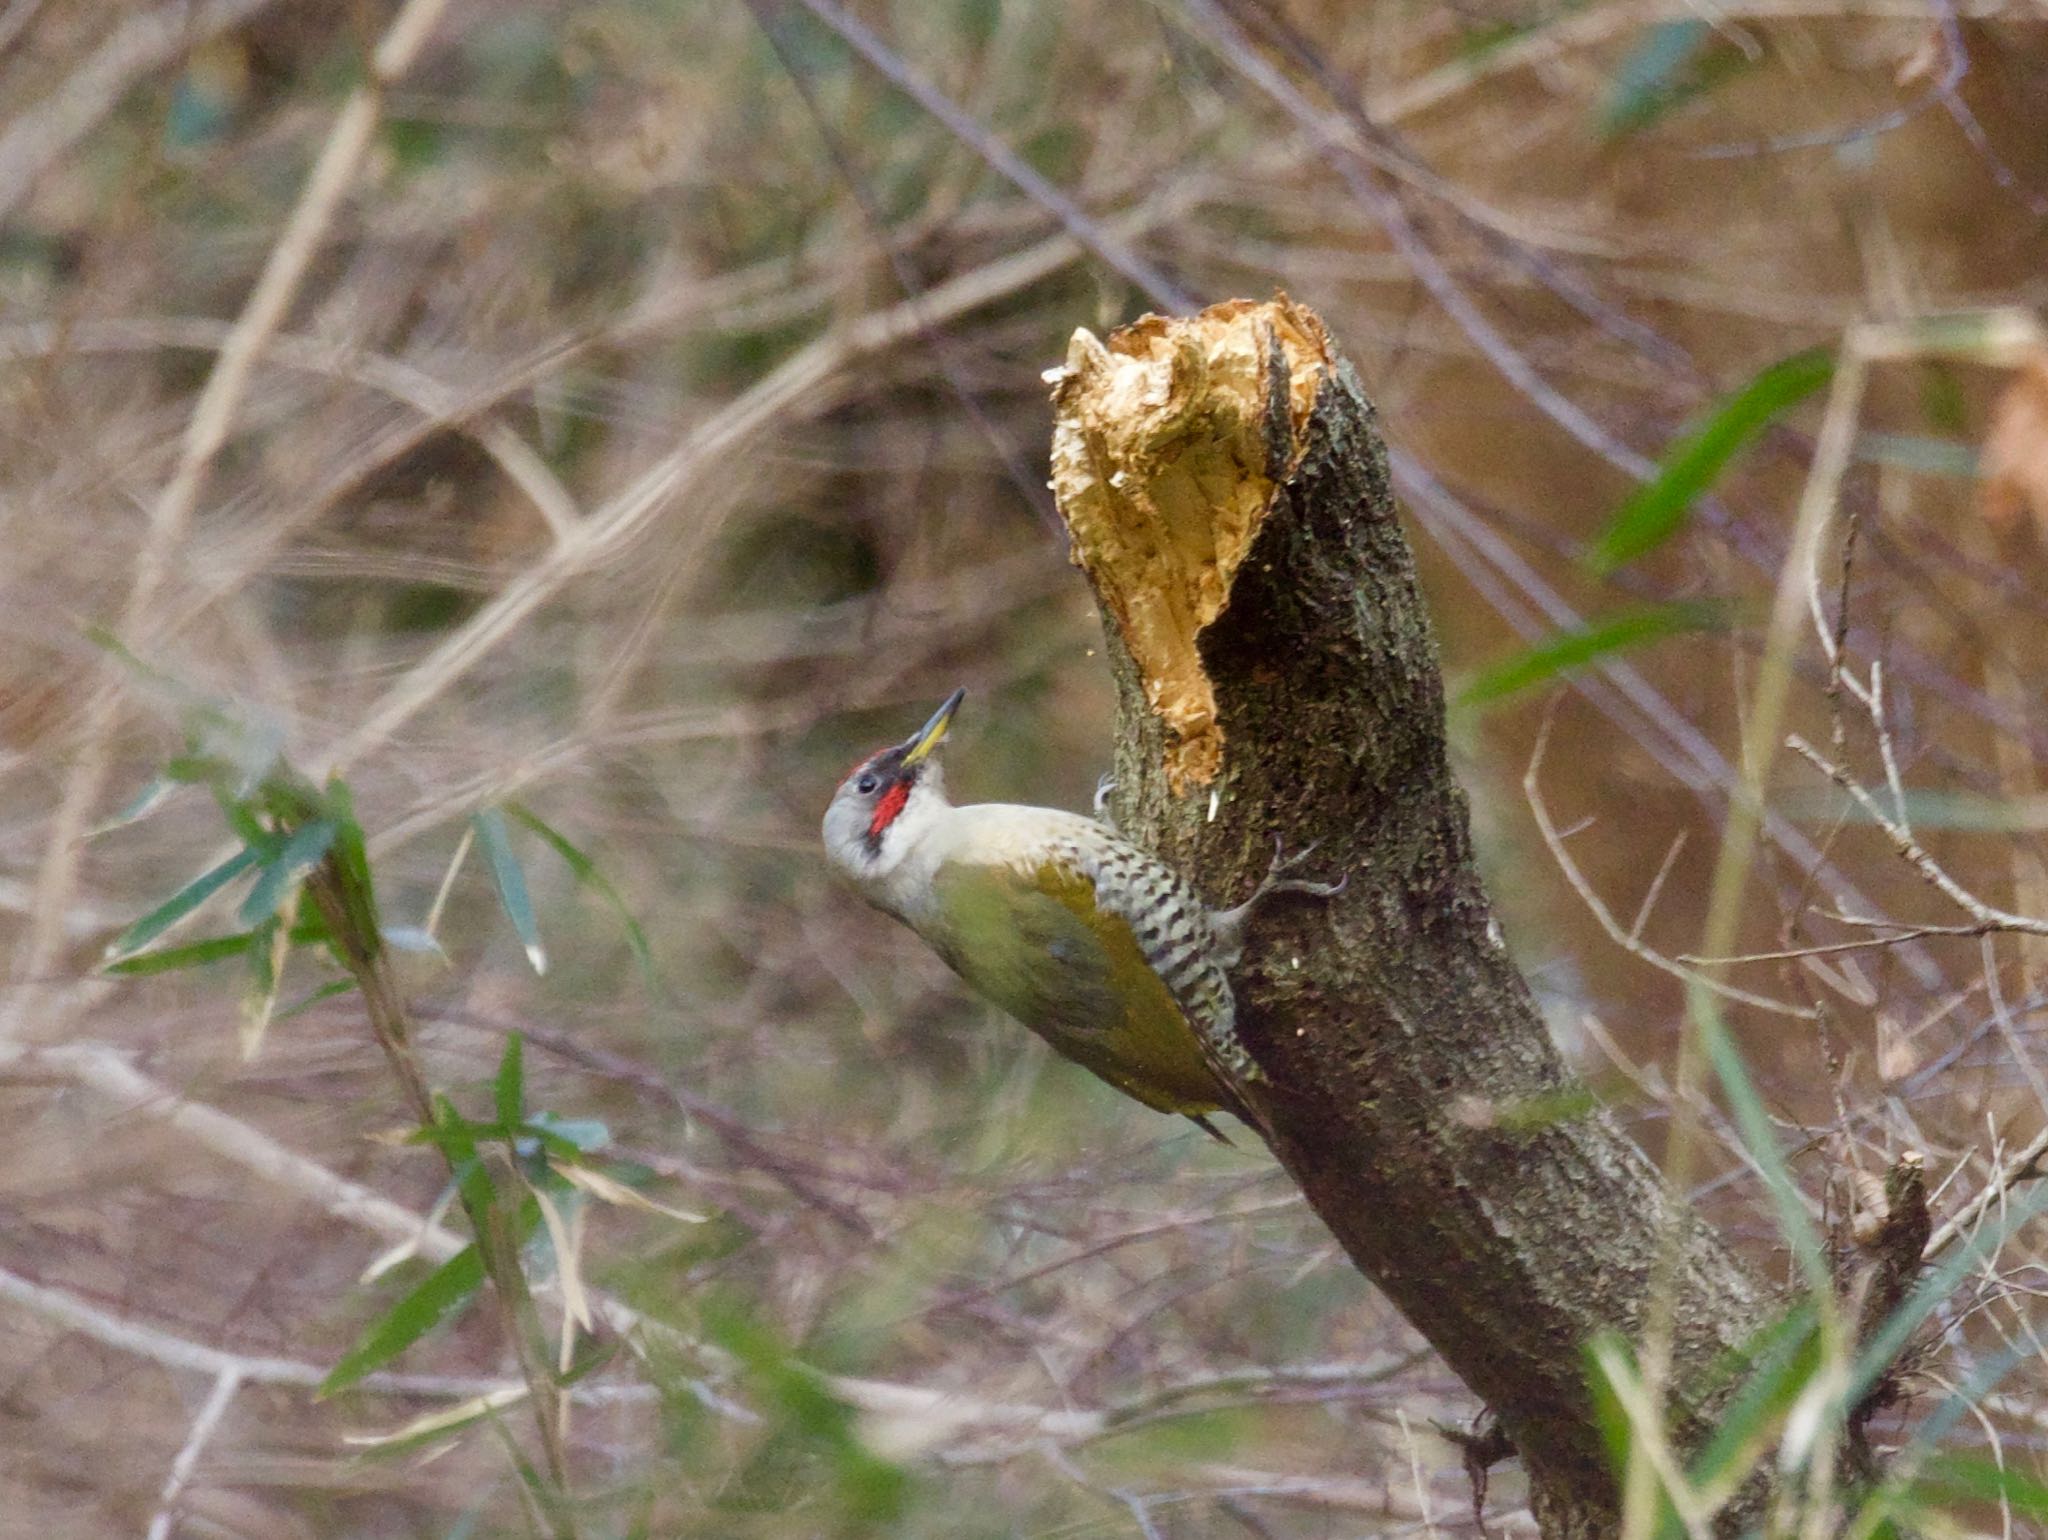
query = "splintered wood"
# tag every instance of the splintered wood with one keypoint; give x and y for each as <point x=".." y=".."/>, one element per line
<point x="1164" y="463"/>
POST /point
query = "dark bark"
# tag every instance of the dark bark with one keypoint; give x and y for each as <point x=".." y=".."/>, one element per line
<point x="1414" y="1091"/>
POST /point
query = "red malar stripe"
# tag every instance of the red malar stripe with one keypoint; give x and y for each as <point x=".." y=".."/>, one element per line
<point x="887" y="809"/>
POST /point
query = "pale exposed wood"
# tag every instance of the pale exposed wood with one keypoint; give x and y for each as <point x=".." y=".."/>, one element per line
<point x="1414" y="1092"/>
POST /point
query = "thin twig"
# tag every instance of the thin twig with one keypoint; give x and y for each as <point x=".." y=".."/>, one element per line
<point x="1656" y="887"/>
<point x="708" y="452"/>
<point x="182" y="1353"/>
<point x="1988" y="917"/>
<point x="1622" y="938"/>
<point x="1090" y="232"/>
<point x="210" y="1413"/>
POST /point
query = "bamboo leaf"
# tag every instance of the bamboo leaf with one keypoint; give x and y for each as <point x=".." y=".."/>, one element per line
<point x="1657" y="510"/>
<point x="142" y="804"/>
<point x="352" y="867"/>
<point x="580" y="1135"/>
<point x="180" y="904"/>
<point x="589" y="875"/>
<point x="1652" y="78"/>
<point x="273" y="941"/>
<point x="439" y="1424"/>
<point x="511" y="1083"/>
<point x="300" y="854"/>
<point x="1950" y="1481"/>
<point x="442" y="1293"/>
<point x="412" y="938"/>
<point x="1759" y="1137"/>
<point x="511" y="883"/>
<point x="1925" y="809"/>
<point x="609" y="1189"/>
<point x="1785" y="1356"/>
<point x="193" y="955"/>
<point x="326" y="991"/>
<point x="1568" y="650"/>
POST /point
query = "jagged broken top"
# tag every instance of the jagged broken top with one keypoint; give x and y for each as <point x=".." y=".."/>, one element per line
<point x="1163" y="465"/>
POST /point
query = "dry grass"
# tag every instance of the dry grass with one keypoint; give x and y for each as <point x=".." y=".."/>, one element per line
<point x="553" y="422"/>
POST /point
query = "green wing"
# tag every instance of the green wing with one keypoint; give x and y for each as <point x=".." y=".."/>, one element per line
<point x="1037" y="944"/>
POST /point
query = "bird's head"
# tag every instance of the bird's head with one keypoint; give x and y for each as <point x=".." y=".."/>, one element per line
<point x="888" y="801"/>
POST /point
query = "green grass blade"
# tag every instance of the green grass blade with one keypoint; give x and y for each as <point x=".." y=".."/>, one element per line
<point x="588" y="874"/>
<point x="1565" y="651"/>
<point x="1952" y="1481"/>
<point x="511" y="1083"/>
<point x="1753" y="1123"/>
<point x="305" y="849"/>
<point x="491" y="836"/>
<point x="180" y="904"/>
<point x="1934" y="1287"/>
<point x="142" y="804"/>
<point x="1925" y="809"/>
<point x="352" y="866"/>
<point x="193" y="955"/>
<point x="437" y="1298"/>
<point x="1657" y="510"/>
<point x="1784" y="1357"/>
<point x="306" y="1002"/>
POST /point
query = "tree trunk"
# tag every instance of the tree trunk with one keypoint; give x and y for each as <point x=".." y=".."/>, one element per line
<point x="1227" y="494"/>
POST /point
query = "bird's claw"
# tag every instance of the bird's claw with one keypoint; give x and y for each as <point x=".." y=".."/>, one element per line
<point x="1273" y="882"/>
<point x="1229" y="923"/>
<point x="1104" y="785"/>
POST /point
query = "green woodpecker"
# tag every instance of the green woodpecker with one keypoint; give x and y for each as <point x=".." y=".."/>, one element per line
<point x="1101" y="949"/>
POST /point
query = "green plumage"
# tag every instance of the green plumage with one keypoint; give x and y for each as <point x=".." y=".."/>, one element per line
<point x="1059" y="950"/>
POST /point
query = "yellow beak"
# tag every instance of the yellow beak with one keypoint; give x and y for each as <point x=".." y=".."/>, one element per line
<point x="933" y="732"/>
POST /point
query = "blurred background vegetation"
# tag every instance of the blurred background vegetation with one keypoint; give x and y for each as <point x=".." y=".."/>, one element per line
<point x="653" y="423"/>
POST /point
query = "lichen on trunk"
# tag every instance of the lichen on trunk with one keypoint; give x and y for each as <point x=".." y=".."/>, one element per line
<point x="1226" y="490"/>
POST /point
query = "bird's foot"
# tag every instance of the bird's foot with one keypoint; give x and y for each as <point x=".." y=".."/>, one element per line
<point x="1229" y="923"/>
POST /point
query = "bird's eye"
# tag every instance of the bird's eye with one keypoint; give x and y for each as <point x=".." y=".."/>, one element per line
<point x="865" y="785"/>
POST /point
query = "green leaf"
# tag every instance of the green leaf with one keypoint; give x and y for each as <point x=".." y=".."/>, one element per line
<point x="438" y="1297"/>
<point x="1785" y="1356"/>
<point x="1652" y="79"/>
<point x="1917" y="452"/>
<point x="141" y="805"/>
<point x="1565" y="651"/>
<point x="457" y="1138"/>
<point x="180" y="904"/>
<point x="268" y="946"/>
<point x="1759" y="1136"/>
<point x="193" y="955"/>
<point x="1949" y="1481"/>
<point x="352" y="867"/>
<point x="511" y="883"/>
<point x="1657" y="510"/>
<point x="306" y="848"/>
<point x="411" y="938"/>
<point x="326" y="991"/>
<point x="582" y="1135"/>
<point x="587" y="874"/>
<point x="1606" y="1356"/>
<point x="511" y="1085"/>
<point x="1925" y="810"/>
<point x="873" y="1490"/>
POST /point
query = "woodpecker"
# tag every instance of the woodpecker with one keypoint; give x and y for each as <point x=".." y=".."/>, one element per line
<point x="1099" y="947"/>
